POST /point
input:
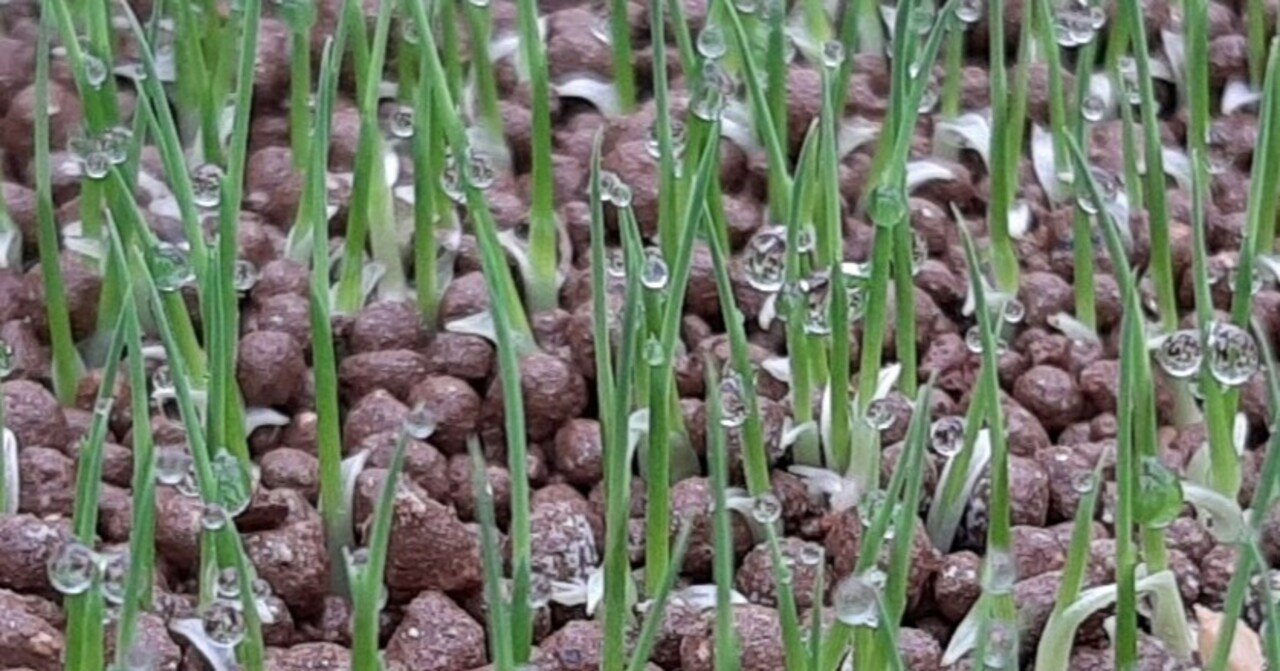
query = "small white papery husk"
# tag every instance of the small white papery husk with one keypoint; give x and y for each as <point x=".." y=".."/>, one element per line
<point x="971" y="130"/>
<point x="219" y="657"/>
<point x="855" y="132"/>
<point x="350" y="470"/>
<point x="1178" y="166"/>
<point x="256" y="418"/>
<point x="889" y="15"/>
<point x="942" y="521"/>
<point x="1271" y="263"/>
<point x="791" y="433"/>
<point x="1101" y="86"/>
<point x="503" y="46"/>
<point x="778" y="368"/>
<point x="12" y="481"/>
<point x="74" y="239"/>
<point x="925" y="171"/>
<point x="1161" y="70"/>
<point x="737" y="126"/>
<point x="10" y="244"/>
<point x="1175" y="50"/>
<point x="602" y="94"/>
<point x="840" y="492"/>
<point x="479" y="324"/>
<point x="1020" y="219"/>
<point x="703" y="597"/>
<point x="1073" y="328"/>
<point x="1237" y="95"/>
<point x="589" y="592"/>
<point x="637" y="429"/>
<point x="1044" y="164"/>
<point x="768" y="311"/>
<point x="1227" y="522"/>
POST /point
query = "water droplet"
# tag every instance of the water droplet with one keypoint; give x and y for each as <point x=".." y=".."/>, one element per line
<point x="115" y="144"/>
<point x="206" y="186"/>
<point x="766" y="259"/>
<point x="213" y="517"/>
<point x="115" y="577"/>
<point x="946" y="436"/>
<point x="733" y="401"/>
<point x="654" y="353"/>
<point x="870" y="505"/>
<point x="400" y="121"/>
<point x="832" y="54"/>
<point x="1082" y="482"/>
<point x="234" y="486"/>
<point x="1002" y="645"/>
<point x="888" y="205"/>
<point x="766" y="508"/>
<point x="451" y="181"/>
<point x="620" y="195"/>
<point x="479" y="3"/>
<point x="223" y="623"/>
<point x="857" y="599"/>
<point x="1233" y="354"/>
<point x="708" y="101"/>
<point x="928" y="98"/>
<point x="96" y="165"/>
<point x="1013" y="311"/>
<point x="880" y="414"/>
<point x="654" y="273"/>
<point x="8" y="359"/>
<point x="711" y="43"/>
<point x="921" y="19"/>
<point x="1160" y="494"/>
<point x="615" y="263"/>
<point x="1180" y="354"/>
<point x="244" y="276"/>
<point x="1093" y="108"/>
<point x="1128" y="69"/>
<point x="420" y="423"/>
<point x="228" y="583"/>
<point x="811" y="554"/>
<point x="654" y="146"/>
<point x="171" y="268"/>
<point x="171" y="465"/>
<point x="480" y="172"/>
<point x="806" y="239"/>
<point x="102" y="406"/>
<point x="816" y="290"/>
<point x="747" y="6"/>
<point x="261" y="588"/>
<point x="95" y="71"/>
<point x="973" y="339"/>
<point x="72" y="568"/>
<point x="1002" y="571"/>
<point x="969" y="11"/>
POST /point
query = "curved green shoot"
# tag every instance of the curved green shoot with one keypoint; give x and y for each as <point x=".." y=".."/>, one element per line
<point x="370" y="215"/>
<point x="995" y="604"/>
<point x="1247" y="562"/>
<point x="726" y="639"/>
<point x="367" y="585"/>
<point x="542" y="290"/>
<point x="333" y="507"/>
<point x="67" y="367"/>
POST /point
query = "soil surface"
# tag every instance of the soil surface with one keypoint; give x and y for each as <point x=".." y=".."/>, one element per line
<point x="1060" y="394"/>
